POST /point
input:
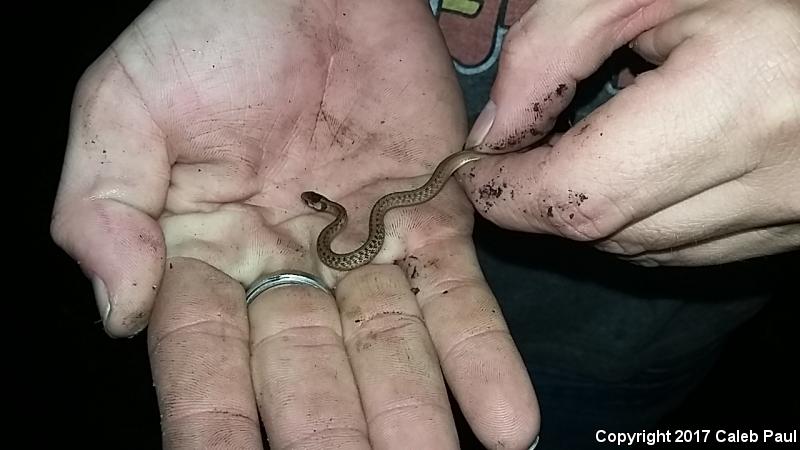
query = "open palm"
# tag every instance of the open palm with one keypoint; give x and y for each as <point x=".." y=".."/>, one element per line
<point x="192" y="139"/>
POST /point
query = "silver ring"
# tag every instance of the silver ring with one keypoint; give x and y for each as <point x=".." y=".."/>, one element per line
<point x="284" y="278"/>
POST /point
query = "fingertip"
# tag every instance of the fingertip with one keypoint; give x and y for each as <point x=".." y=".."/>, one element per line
<point x="657" y="43"/>
<point x="510" y="415"/>
<point x="125" y="309"/>
<point x="525" y="112"/>
<point x="121" y="251"/>
<point x="113" y="326"/>
<point x="644" y="46"/>
<point x="129" y="320"/>
<point x="505" y="189"/>
<point x="132" y="301"/>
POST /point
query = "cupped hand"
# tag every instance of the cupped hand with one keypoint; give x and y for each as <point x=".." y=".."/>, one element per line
<point x="191" y="141"/>
<point x="695" y="162"/>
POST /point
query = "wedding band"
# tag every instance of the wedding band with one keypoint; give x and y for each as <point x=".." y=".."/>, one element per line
<point x="284" y="278"/>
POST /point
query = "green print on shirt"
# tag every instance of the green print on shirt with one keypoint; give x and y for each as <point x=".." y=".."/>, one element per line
<point x="467" y="8"/>
<point x="474" y="29"/>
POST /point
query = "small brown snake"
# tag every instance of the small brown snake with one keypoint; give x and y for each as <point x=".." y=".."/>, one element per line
<point x="377" y="230"/>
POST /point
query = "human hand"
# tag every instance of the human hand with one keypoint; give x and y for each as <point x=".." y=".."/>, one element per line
<point x="696" y="162"/>
<point x="192" y="138"/>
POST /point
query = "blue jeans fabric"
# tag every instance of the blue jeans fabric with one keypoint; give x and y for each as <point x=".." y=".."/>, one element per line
<point x="574" y="408"/>
<point x="610" y="345"/>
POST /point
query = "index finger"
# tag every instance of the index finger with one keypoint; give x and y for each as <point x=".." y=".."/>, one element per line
<point x="198" y="347"/>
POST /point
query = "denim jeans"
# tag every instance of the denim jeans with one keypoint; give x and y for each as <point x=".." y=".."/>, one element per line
<point x="610" y="345"/>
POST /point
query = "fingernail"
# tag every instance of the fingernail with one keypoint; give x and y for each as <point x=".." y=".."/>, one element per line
<point x="535" y="443"/>
<point x="101" y="297"/>
<point x="617" y="248"/>
<point x="482" y="125"/>
<point x="640" y="261"/>
<point x="610" y="247"/>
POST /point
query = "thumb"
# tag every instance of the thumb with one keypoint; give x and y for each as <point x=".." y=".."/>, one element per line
<point x="554" y="45"/>
<point x="113" y="183"/>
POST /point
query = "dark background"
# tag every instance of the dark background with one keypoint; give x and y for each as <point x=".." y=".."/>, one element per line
<point x="98" y="390"/>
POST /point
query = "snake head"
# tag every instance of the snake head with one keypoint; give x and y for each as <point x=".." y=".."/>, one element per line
<point x="314" y="200"/>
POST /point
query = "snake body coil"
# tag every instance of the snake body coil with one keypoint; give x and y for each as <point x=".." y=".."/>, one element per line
<point x="377" y="230"/>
